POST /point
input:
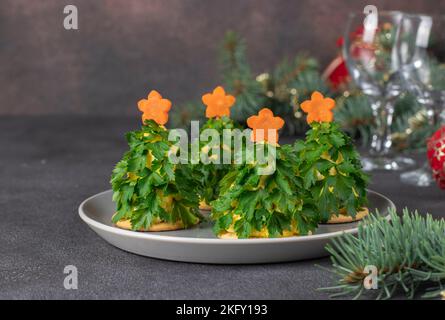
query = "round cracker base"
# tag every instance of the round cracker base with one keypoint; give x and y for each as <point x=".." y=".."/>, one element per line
<point x="228" y="235"/>
<point x="204" y="206"/>
<point x="233" y="235"/>
<point x="342" y="218"/>
<point x="160" y="226"/>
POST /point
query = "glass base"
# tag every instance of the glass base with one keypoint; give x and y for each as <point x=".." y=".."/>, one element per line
<point x="387" y="163"/>
<point x="420" y="177"/>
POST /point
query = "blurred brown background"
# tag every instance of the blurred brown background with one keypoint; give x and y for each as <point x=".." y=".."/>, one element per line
<point x="125" y="48"/>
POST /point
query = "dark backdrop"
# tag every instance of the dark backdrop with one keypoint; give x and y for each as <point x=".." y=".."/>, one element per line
<point x="124" y="48"/>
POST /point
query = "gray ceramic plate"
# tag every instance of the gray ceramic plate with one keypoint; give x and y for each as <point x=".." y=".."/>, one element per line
<point x="200" y="245"/>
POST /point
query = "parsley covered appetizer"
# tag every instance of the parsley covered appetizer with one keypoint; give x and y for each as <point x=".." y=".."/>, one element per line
<point x="330" y="165"/>
<point x="150" y="192"/>
<point x="218" y="105"/>
<point x="256" y="205"/>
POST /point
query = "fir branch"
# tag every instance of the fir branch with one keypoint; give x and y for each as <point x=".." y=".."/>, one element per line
<point x="411" y="125"/>
<point x="355" y="116"/>
<point x="408" y="251"/>
<point x="288" y="71"/>
<point x="291" y="82"/>
<point x="182" y="116"/>
<point x="238" y="79"/>
<point x="307" y="82"/>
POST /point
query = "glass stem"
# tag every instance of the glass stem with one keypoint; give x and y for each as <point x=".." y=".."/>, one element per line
<point x="383" y="111"/>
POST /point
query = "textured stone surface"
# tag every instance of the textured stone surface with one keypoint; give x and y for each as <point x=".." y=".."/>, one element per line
<point x="124" y="48"/>
<point x="49" y="164"/>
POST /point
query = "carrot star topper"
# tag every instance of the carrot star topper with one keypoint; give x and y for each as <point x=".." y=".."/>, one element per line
<point x="318" y="108"/>
<point x="262" y="123"/>
<point x="155" y="108"/>
<point x="218" y="103"/>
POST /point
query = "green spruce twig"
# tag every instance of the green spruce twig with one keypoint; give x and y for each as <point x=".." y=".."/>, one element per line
<point x="238" y="78"/>
<point x="407" y="251"/>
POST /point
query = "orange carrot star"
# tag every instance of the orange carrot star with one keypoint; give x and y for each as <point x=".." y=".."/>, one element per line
<point x="218" y="103"/>
<point x="262" y="123"/>
<point x="319" y="108"/>
<point x="155" y="108"/>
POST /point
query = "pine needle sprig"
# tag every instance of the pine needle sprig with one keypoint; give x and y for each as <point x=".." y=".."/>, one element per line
<point x="281" y="89"/>
<point x="182" y="116"/>
<point x="238" y="78"/>
<point x="407" y="251"/>
<point x="355" y="116"/>
<point x="301" y="73"/>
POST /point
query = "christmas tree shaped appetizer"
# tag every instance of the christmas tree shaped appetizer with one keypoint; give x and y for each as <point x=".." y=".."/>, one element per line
<point x="330" y="165"/>
<point x="218" y="105"/>
<point x="253" y="204"/>
<point x="150" y="192"/>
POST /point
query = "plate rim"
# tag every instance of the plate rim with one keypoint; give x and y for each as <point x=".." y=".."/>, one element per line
<point x="166" y="238"/>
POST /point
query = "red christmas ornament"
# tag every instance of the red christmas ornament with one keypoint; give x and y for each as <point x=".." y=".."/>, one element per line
<point x="436" y="156"/>
<point x="336" y="73"/>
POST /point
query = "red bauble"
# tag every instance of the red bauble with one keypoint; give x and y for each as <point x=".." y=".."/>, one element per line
<point x="436" y="156"/>
<point x="336" y="74"/>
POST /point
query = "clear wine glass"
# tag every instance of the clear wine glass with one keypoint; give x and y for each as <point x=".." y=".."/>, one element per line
<point x="421" y="52"/>
<point x="370" y="54"/>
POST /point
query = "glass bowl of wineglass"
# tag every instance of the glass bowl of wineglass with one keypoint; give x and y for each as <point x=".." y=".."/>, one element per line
<point x="421" y="53"/>
<point x="369" y="49"/>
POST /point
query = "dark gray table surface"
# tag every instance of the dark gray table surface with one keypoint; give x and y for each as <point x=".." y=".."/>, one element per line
<point x="49" y="164"/>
